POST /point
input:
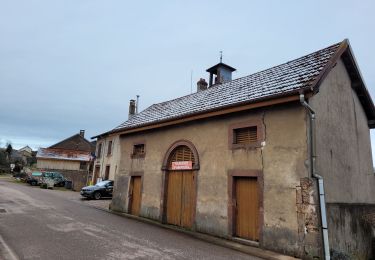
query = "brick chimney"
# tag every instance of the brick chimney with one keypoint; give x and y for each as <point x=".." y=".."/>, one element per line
<point x="131" y="108"/>
<point x="82" y="133"/>
<point x="201" y="85"/>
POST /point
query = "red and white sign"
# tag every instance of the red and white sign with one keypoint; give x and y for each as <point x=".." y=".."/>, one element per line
<point x="183" y="165"/>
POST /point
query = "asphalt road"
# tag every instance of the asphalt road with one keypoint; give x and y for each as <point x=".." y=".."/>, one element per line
<point x="48" y="224"/>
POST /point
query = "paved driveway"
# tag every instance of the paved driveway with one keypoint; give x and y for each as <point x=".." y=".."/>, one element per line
<point x="50" y="224"/>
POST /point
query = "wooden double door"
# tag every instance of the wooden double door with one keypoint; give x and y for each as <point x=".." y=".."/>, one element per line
<point x="246" y="208"/>
<point x="181" y="198"/>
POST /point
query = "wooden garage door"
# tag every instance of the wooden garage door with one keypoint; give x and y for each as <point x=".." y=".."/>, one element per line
<point x="247" y="208"/>
<point x="181" y="198"/>
<point x="135" y="195"/>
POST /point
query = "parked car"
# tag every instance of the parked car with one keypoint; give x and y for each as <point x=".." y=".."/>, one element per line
<point x="20" y="175"/>
<point x="99" y="190"/>
<point x="56" y="177"/>
<point x="38" y="178"/>
<point x="34" y="178"/>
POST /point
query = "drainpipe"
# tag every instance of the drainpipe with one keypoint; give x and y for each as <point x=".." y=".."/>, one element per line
<point x="314" y="174"/>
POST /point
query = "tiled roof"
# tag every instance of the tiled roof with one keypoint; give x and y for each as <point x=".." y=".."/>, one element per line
<point x="75" y="142"/>
<point x="62" y="154"/>
<point x="286" y="78"/>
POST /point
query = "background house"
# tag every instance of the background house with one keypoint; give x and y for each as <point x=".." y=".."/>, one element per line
<point x="72" y="157"/>
<point x="26" y="150"/>
<point x="236" y="159"/>
<point x="107" y="158"/>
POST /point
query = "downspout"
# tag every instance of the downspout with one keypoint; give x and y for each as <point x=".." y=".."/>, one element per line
<point x="314" y="174"/>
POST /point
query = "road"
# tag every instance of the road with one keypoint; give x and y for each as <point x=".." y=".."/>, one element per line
<point x="50" y="224"/>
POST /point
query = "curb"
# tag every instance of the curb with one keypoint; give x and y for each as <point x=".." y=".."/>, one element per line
<point x="250" y="250"/>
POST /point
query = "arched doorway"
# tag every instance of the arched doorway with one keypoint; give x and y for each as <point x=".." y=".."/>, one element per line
<point x="180" y="166"/>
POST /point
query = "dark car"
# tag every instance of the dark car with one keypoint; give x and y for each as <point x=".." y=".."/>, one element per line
<point x="99" y="190"/>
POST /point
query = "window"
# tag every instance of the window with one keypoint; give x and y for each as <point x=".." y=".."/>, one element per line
<point x="99" y="150"/>
<point x="246" y="135"/>
<point x="181" y="153"/>
<point x="106" y="176"/>
<point x="83" y="166"/>
<point x="109" y="150"/>
<point x="138" y="150"/>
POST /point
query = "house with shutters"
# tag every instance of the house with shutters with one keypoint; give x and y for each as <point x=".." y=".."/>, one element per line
<point x="71" y="157"/>
<point x="279" y="159"/>
<point x="107" y="157"/>
<point x="107" y="153"/>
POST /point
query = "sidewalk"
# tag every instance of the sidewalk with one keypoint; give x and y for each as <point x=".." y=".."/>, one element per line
<point x="253" y="251"/>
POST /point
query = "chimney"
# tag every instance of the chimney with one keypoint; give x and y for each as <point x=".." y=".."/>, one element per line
<point x="82" y="133"/>
<point x="131" y="108"/>
<point x="201" y="85"/>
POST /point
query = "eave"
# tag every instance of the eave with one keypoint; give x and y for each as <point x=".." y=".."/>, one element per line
<point x="280" y="99"/>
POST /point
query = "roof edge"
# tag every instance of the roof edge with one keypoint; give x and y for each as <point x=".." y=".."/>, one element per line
<point x="277" y="99"/>
<point x="345" y="52"/>
<point x="63" y="159"/>
<point x="329" y="65"/>
<point x="87" y="141"/>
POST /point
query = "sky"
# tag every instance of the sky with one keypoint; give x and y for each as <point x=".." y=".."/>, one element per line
<point x="71" y="65"/>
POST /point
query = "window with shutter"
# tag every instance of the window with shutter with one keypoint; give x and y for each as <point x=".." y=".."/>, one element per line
<point x="99" y="152"/>
<point x="246" y="135"/>
<point x="109" y="149"/>
<point x="181" y="153"/>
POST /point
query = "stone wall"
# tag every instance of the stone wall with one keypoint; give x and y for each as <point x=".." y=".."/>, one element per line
<point x="351" y="230"/>
<point x="308" y="213"/>
<point x="79" y="178"/>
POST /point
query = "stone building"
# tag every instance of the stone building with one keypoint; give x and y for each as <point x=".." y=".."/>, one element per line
<point x="242" y="159"/>
<point x="71" y="157"/>
<point x="107" y="158"/>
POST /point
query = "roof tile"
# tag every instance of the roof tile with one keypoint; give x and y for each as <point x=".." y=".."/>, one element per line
<point x="282" y="79"/>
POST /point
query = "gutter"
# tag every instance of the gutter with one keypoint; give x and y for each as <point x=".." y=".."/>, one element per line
<point x="314" y="174"/>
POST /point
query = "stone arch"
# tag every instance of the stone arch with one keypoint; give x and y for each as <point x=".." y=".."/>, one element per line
<point x="174" y="146"/>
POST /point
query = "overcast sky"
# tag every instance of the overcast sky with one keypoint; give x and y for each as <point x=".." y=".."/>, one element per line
<point x="71" y="65"/>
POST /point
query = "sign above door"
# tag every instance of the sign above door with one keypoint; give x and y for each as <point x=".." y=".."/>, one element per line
<point x="182" y="165"/>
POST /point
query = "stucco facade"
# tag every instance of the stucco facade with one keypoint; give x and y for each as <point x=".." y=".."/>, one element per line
<point x="274" y="164"/>
<point x="106" y="159"/>
<point x="344" y="159"/>
<point x="289" y="205"/>
<point x="281" y="160"/>
<point x="343" y="140"/>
